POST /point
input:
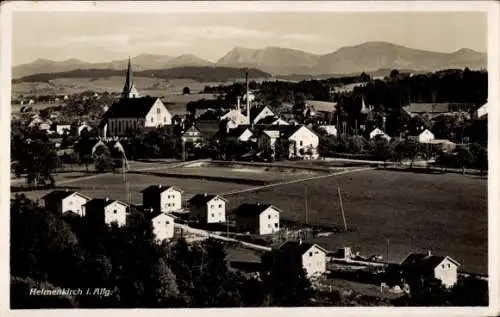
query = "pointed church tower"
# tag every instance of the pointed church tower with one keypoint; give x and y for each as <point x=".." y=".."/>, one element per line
<point x="129" y="90"/>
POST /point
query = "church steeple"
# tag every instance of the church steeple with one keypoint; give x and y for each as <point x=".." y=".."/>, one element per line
<point x="129" y="90"/>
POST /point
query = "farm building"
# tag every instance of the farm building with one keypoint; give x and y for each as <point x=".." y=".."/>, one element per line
<point x="239" y="134"/>
<point x="299" y="141"/>
<point x="162" y="198"/>
<point x="259" y="113"/>
<point x="208" y="208"/>
<point x="425" y="136"/>
<point x="132" y="112"/>
<point x="258" y="218"/>
<point x="62" y="201"/>
<point x="192" y="135"/>
<point x="418" y="266"/>
<point x="311" y="257"/>
<point x="106" y="211"/>
<point x="235" y="117"/>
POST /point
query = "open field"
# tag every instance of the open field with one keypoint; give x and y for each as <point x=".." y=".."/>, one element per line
<point x="416" y="212"/>
<point x="112" y="185"/>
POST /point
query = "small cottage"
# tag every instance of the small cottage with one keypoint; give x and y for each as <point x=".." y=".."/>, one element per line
<point x="106" y="211"/>
<point x="310" y="256"/>
<point x="258" y="218"/>
<point x="162" y="198"/>
<point x="425" y="266"/>
<point x="208" y="208"/>
<point x="62" y="201"/>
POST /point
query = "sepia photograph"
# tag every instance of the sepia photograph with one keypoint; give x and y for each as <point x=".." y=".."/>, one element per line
<point x="224" y="155"/>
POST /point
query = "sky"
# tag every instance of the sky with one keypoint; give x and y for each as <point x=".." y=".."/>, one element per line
<point x="98" y="36"/>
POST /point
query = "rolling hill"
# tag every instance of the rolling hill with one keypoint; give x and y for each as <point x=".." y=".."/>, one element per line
<point x="367" y="57"/>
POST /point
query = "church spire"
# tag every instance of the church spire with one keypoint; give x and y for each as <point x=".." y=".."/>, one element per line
<point x="129" y="90"/>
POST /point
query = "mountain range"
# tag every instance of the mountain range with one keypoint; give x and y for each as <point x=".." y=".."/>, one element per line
<point x="367" y="57"/>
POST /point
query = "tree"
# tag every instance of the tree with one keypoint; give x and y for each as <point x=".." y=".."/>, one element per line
<point x="286" y="280"/>
<point x="186" y="91"/>
<point x="103" y="160"/>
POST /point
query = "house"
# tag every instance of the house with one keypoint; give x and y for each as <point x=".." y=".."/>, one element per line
<point x="162" y="223"/>
<point x="259" y="113"/>
<point x="329" y="129"/>
<point x="425" y="136"/>
<point x="298" y="140"/>
<point x="62" y="201"/>
<point x="426" y="266"/>
<point x="192" y="135"/>
<point x="162" y="198"/>
<point x="106" y="211"/>
<point x="45" y="126"/>
<point x="208" y="208"/>
<point x="62" y="128"/>
<point x="239" y="134"/>
<point x="272" y="120"/>
<point x="379" y="133"/>
<point x="481" y="111"/>
<point x="433" y="110"/>
<point x="235" y="118"/>
<point x="302" y="142"/>
<point x="132" y="112"/>
<point x="310" y="256"/>
<point x="258" y="218"/>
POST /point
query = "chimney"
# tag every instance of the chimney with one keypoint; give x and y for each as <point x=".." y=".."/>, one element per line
<point x="300" y="240"/>
<point x="248" y="98"/>
<point x="205" y="194"/>
<point x="106" y="199"/>
<point x="151" y="209"/>
<point x="159" y="185"/>
<point x="429" y="253"/>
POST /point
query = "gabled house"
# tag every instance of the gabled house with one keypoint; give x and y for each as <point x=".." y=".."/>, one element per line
<point x="162" y="198"/>
<point x="208" y="208"/>
<point x="239" y="134"/>
<point x="272" y="120"/>
<point x="258" y="218"/>
<point x="234" y="117"/>
<point x="311" y="257"/>
<point x="419" y="266"/>
<point x="299" y="141"/>
<point x="259" y="113"/>
<point x="425" y="136"/>
<point x="62" y="201"/>
<point x="379" y="133"/>
<point x="106" y="211"/>
<point x="163" y="224"/>
<point x="192" y="135"/>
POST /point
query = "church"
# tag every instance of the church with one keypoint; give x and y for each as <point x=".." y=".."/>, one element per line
<point x="133" y="112"/>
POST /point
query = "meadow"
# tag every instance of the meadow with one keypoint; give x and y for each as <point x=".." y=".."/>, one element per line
<point x="446" y="214"/>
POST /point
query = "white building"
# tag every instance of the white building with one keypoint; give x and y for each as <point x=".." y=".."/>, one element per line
<point x="259" y="113"/>
<point x="312" y="257"/>
<point x="425" y="136"/>
<point x="329" y="129"/>
<point x="482" y="111"/>
<point x="163" y="226"/>
<point x="63" y="128"/>
<point x="379" y="133"/>
<point x="299" y="141"/>
<point x="424" y="266"/>
<point x="208" y="208"/>
<point x="239" y="134"/>
<point x="258" y="218"/>
<point x="106" y="211"/>
<point x="162" y="198"/>
<point x="60" y="201"/>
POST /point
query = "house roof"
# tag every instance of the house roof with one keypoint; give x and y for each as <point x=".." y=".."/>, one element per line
<point x="428" y="107"/>
<point x="323" y="106"/>
<point x="238" y="131"/>
<point x="202" y="199"/>
<point x="268" y="120"/>
<point x="298" y="248"/>
<point x="100" y="203"/>
<point x="159" y="189"/>
<point x="424" y="262"/>
<point x="255" y="111"/>
<point x="61" y="194"/>
<point x="130" y="108"/>
<point x="253" y="209"/>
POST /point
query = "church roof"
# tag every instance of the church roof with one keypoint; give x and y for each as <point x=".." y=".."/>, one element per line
<point x="131" y="108"/>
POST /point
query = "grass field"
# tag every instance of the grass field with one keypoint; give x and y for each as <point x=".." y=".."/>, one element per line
<point x="416" y="212"/>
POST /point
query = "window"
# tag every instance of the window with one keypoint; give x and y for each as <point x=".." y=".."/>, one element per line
<point x="212" y="206"/>
<point x="300" y="143"/>
<point x="70" y="203"/>
<point x="310" y="254"/>
<point x="212" y="215"/>
<point x="268" y="216"/>
<point x="158" y="110"/>
<point x="220" y="205"/>
<point x="167" y="222"/>
<point x="442" y="266"/>
<point x="276" y="225"/>
<point x="115" y="211"/>
<point x="164" y="119"/>
<point x="151" y="119"/>
<point x="449" y="265"/>
<point x="269" y="225"/>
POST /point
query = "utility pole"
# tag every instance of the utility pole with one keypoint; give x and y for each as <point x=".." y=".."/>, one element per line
<point x="342" y="209"/>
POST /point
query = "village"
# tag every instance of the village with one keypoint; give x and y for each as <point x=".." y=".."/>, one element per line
<point x="254" y="133"/>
